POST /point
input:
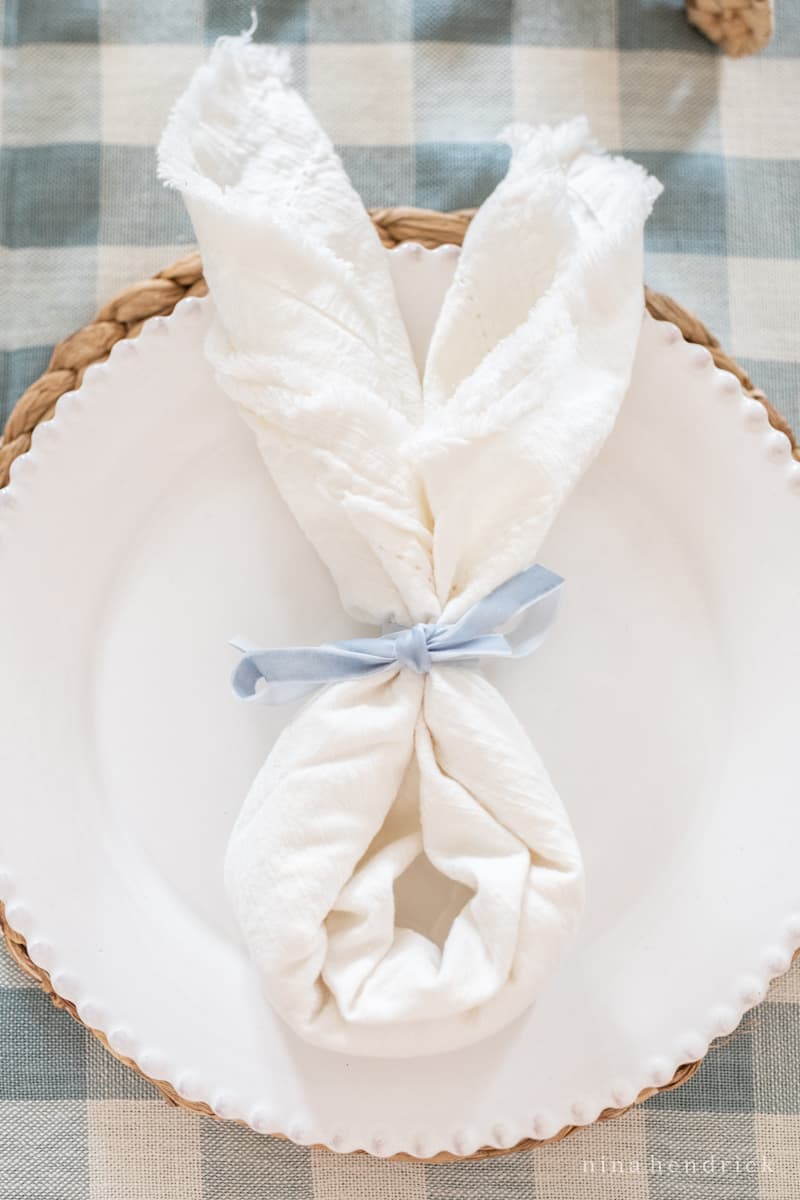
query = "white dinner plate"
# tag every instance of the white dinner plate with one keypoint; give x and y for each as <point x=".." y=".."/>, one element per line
<point x="142" y="531"/>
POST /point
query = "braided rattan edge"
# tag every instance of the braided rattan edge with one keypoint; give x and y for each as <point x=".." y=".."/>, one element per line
<point x="123" y="317"/>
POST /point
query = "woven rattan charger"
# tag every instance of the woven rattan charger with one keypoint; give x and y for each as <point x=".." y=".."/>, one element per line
<point x="123" y="317"/>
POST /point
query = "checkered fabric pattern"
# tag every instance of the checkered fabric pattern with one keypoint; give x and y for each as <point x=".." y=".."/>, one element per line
<point x="413" y="92"/>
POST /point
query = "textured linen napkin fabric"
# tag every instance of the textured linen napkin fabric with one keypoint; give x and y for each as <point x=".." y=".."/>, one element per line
<point x="421" y="496"/>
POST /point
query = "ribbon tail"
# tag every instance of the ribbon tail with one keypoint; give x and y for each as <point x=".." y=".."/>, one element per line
<point x="534" y="624"/>
<point x="529" y="599"/>
<point x="280" y="675"/>
<point x="250" y="683"/>
<point x="490" y="645"/>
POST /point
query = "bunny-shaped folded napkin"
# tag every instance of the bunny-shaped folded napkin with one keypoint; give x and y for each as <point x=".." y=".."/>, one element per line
<point x="422" y="497"/>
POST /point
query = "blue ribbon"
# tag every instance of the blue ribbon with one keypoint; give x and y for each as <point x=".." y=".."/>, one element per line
<point x="528" y="599"/>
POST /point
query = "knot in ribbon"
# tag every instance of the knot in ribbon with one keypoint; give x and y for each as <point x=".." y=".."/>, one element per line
<point x="411" y="648"/>
<point x="527" y="602"/>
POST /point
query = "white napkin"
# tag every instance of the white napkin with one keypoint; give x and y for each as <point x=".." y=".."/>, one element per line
<point x="421" y="497"/>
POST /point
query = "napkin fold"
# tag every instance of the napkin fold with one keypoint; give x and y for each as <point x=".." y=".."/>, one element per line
<point x="421" y="496"/>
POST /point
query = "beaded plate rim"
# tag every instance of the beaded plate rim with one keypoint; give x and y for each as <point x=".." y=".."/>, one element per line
<point x="124" y="317"/>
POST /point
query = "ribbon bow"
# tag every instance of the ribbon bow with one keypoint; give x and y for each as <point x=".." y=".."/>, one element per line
<point x="529" y="598"/>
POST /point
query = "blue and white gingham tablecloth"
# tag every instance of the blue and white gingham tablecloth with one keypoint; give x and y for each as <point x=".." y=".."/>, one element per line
<point x="413" y="92"/>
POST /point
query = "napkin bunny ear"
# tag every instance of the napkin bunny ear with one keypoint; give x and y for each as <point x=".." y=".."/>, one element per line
<point x="421" y="499"/>
<point x="531" y="355"/>
<point x="261" y="178"/>
<point x="308" y="332"/>
<point x="563" y="206"/>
